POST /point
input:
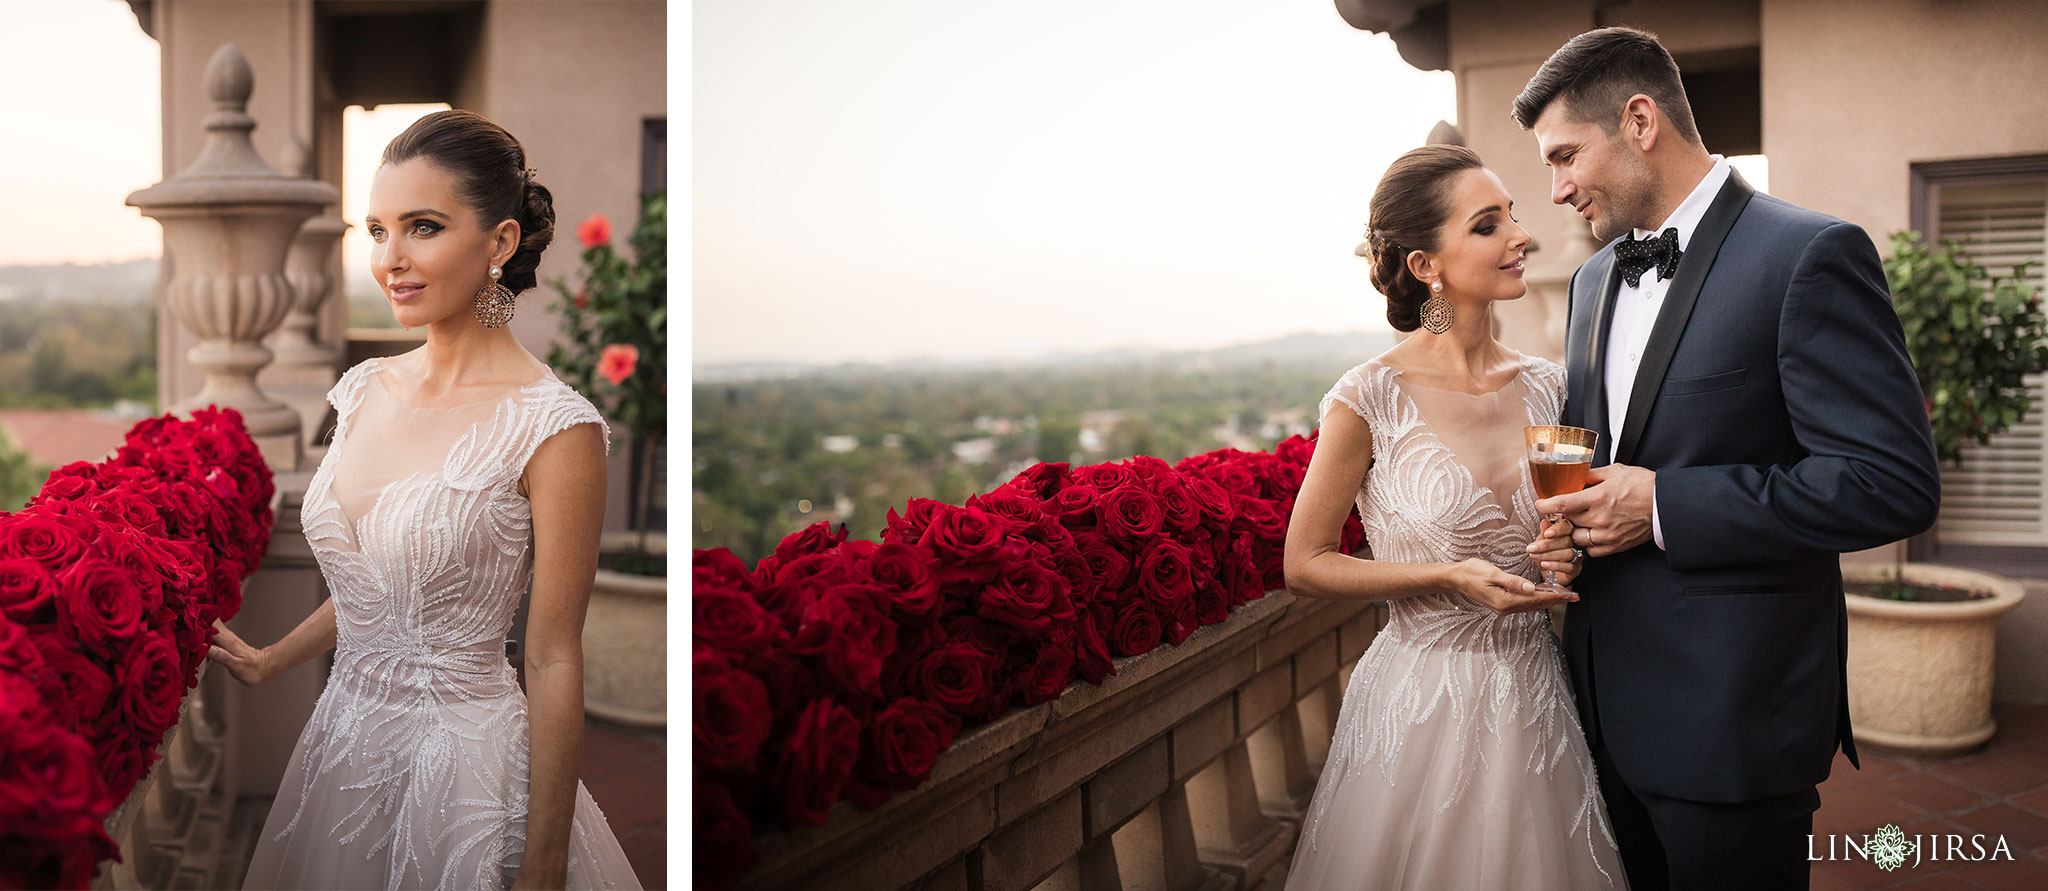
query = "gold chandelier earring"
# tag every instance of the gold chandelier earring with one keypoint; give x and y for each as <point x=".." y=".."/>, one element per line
<point x="1437" y="313"/>
<point x="494" y="303"/>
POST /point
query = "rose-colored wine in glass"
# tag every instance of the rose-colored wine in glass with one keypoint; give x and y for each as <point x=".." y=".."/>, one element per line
<point x="1559" y="458"/>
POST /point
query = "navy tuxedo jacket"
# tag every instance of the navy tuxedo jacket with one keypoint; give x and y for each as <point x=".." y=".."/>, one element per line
<point x="1777" y="405"/>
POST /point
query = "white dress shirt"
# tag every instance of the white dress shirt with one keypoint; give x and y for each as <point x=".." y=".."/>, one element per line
<point x="1636" y="308"/>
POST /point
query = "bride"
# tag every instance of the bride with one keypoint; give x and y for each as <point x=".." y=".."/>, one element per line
<point x="1458" y="761"/>
<point x="458" y="473"/>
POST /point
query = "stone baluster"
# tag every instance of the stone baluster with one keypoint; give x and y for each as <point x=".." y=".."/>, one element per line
<point x="1232" y="831"/>
<point x="229" y="220"/>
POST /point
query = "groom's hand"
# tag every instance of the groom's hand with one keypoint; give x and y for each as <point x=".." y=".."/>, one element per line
<point x="1612" y="514"/>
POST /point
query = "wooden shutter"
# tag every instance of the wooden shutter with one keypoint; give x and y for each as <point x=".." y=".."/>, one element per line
<point x="1997" y="497"/>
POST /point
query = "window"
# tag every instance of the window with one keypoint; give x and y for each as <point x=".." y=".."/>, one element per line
<point x="1999" y="207"/>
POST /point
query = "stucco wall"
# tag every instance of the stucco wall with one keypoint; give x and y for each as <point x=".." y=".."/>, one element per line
<point x="1857" y="90"/>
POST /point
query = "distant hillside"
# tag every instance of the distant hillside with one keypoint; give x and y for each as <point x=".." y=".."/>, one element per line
<point x="130" y="282"/>
<point x="1306" y="348"/>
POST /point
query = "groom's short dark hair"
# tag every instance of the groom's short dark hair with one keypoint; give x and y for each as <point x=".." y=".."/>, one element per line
<point x="1595" y="73"/>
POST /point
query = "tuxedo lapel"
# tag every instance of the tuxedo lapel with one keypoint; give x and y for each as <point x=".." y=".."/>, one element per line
<point x="1693" y="267"/>
<point x="1588" y="375"/>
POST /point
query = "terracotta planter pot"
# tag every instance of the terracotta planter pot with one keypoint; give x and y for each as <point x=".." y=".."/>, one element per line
<point x="625" y="645"/>
<point x="1920" y="673"/>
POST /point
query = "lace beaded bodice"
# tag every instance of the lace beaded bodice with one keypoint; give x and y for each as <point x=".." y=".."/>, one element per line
<point x="413" y="769"/>
<point x="1449" y="482"/>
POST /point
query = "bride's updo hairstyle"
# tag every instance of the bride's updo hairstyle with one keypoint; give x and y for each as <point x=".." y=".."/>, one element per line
<point x="491" y="175"/>
<point x="1409" y="209"/>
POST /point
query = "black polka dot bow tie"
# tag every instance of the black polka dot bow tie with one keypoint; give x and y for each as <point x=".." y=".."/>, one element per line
<point x="1660" y="251"/>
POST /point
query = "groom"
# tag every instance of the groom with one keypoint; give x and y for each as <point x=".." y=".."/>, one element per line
<point x="1741" y="361"/>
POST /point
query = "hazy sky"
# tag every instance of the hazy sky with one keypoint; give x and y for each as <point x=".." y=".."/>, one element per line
<point x="937" y="178"/>
<point x="78" y="90"/>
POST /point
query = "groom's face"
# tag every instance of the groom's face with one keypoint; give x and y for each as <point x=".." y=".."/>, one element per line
<point x="1595" y="172"/>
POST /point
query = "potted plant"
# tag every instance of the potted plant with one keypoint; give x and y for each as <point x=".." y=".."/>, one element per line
<point x="614" y="349"/>
<point x="1921" y="636"/>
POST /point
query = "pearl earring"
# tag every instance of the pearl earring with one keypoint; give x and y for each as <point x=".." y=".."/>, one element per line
<point x="1437" y="313"/>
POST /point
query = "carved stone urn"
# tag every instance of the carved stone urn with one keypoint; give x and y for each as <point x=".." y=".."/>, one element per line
<point x="229" y="220"/>
<point x="1920" y="673"/>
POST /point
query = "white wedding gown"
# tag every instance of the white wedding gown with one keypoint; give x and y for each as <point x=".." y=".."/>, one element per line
<point x="1458" y="761"/>
<point x="412" y="772"/>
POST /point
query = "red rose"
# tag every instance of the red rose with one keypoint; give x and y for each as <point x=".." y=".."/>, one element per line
<point x="1109" y="565"/>
<point x="1075" y="506"/>
<point x="730" y="620"/>
<point x="1021" y="510"/>
<point x="1152" y="470"/>
<point x="798" y="582"/>
<point x="133" y="554"/>
<point x="1212" y="605"/>
<point x="1137" y="630"/>
<point x="1027" y="596"/>
<point x="1296" y="450"/>
<point x="1217" y="511"/>
<point x="964" y="535"/>
<point x="1242" y="580"/>
<point x="1264" y="519"/>
<point x="123" y="765"/>
<point x="27" y="592"/>
<point x="99" y="606"/>
<point x="47" y="771"/>
<point x="74" y="686"/>
<point x="1183" y="513"/>
<point x="724" y="838"/>
<point x="1104" y="477"/>
<point x="909" y="527"/>
<point x="38" y="535"/>
<point x="906" y="574"/>
<point x="718" y="566"/>
<point x="1235" y="478"/>
<point x="813" y="539"/>
<point x="955" y="676"/>
<point x="1049" y="671"/>
<point x="1164" y="574"/>
<point x="730" y="716"/>
<point x="69" y="483"/>
<point x="821" y="753"/>
<point x="1130" y="515"/>
<point x="18" y="654"/>
<point x="904" y="740"/>
<point x="151" y="687"/>
<point x="1039" y="480"/>
<point x="1091" y="652"/>
<point x="594" y="232"/>
<point x="846" y="628"/>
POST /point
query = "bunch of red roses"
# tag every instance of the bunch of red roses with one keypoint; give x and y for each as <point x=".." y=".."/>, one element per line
<point x="110" y="582"/>
<point x="841" y="669"/>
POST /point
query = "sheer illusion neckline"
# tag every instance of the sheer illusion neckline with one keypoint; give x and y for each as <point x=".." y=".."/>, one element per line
<point x="1522" y="365"/>
<point x="377" y="374"/>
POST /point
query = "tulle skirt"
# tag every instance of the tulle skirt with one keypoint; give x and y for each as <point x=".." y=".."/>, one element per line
<point x="406" y="791"/>
<point x="1457" y="767"/>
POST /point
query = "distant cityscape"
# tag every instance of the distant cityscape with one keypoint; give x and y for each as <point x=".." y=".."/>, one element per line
<point x="777" y="447"/>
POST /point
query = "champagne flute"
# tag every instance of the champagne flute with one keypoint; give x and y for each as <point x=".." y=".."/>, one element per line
<point x="1559" y="458"/>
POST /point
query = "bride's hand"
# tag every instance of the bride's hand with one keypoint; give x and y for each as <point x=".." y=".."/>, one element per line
<point x="1553" y="552"/>
<point x="249" y="665"/>
<point x="1498" y="590"/>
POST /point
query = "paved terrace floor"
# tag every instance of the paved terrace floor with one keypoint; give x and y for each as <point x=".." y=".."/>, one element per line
<point x="2000" y="790"/>
<point x="626" y="771"/>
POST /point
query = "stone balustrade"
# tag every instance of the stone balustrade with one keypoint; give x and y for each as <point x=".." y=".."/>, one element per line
<point x="1188" y="770"/>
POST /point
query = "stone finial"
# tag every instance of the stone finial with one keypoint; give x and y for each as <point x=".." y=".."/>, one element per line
<point x="229" y="220"/>
<point x="1445" y="133"/>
